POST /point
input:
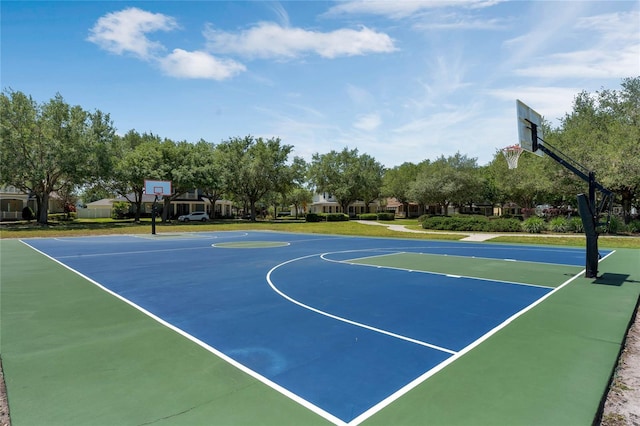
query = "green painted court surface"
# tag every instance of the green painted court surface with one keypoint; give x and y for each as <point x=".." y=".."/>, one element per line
<point x="75" y="355"/>
<point x="490" y="269"/>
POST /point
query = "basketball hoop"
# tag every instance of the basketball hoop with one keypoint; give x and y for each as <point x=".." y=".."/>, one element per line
<point x="512" y="153"/>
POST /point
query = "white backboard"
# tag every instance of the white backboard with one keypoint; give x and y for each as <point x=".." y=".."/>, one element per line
<point x="526" y="116"/>
<point x="157" y="187"/>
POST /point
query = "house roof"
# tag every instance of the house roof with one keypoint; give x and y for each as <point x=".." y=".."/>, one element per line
<point x="105" y="202"/>
<point x="150" y="198"/>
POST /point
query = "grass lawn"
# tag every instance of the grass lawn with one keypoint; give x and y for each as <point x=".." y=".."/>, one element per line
<point x="83" y="227"/>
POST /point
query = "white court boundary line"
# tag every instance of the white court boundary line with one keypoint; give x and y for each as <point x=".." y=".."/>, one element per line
<point x="419" y="271"/>
<point x="401" y="392"/>
<point x="131" y="238"/>
<point x="122" y="253"/>
<point x="342" y="319"/>
<point x="330" y="417"/>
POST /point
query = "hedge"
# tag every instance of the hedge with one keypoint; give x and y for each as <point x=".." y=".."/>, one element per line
<point x="368" y="216"/>
<point x="326" y="217"/>
<point x="386" y="216"/>
<point x="471" y="223"/>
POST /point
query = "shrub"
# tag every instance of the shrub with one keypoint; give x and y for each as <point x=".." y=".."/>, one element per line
<point x="472" y="223"/>
<point x="634" y="226"/>
<point x="119" y="209"/>
<point x="336" y="217"/>
<point x="423" y="217"/>
<point x="456" y="223"/>
<point x="27" y="214"/>
<point x="386" y="216"/>
<point x="313" y="217"/>
<point x="534" y="225"/>
<point x="615" y="225"/>
<point x="368" y="216"/>
<point x="575" y="225"/>
<point x="558" y="224"/>
<point x="434" y="222"/>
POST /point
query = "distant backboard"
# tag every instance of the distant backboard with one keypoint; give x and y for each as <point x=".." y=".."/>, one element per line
<point x="527" y="117"/>
<point x="157" y="187"/>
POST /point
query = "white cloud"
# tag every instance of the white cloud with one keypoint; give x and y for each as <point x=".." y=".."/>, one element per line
<point x="368" y="122"/>
<point x="616" y="26"/>
<point x="403" y="9"/>
<point x="270" y="40"/>
<point x="197" y="64"/>
<point x="280" y="12"/>
<point x="462" y="23"/>
<point x="594" y="63"/>
<point x="613" y="50"/>
<point x="125" y="31"/>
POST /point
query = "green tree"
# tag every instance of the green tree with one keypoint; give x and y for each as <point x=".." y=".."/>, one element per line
<point x="46" y="148"/>
<point x="396" y="183"/>
<point x="208" y="173"/>
<point x="300" y="197"/>
<point x="138" y="157"/>
<point x="293" y="180"/>
<point x="369" y="179"/>
<point x="531" y="183"/>
<point x="429" y="186"/>
<point x="253" y="167"/>
<point x="179" y="166"/>
<point x="465" y="180"/>
<point x="602" y="133"/>
<point x="453" y="180"/>
<point x="346" y="175"/>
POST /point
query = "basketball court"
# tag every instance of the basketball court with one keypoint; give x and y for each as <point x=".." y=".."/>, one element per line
<point x="278" y="328"/>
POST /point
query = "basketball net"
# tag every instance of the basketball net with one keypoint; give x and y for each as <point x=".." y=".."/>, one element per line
<point x="512" y="153"/>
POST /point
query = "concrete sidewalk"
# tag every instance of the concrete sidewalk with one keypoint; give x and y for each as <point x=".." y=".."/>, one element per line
<point x="468" y="236"/>
<point x="401" y="228"/>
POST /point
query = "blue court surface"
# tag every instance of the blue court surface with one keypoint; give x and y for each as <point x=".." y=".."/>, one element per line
<point x="339" y="324"/>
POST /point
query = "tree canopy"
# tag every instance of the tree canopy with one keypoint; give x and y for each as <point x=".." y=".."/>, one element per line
<point x="346" y="175"/>
<point x="54" y="147"/>
<point x="602" y="133"/>
<point x="254" y="166"/>
<point x="49" y="147"/>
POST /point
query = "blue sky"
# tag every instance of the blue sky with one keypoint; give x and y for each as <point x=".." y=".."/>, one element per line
<point x="398" y="80"/>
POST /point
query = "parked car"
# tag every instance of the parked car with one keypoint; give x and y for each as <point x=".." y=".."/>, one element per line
<point x="201" y="216"/>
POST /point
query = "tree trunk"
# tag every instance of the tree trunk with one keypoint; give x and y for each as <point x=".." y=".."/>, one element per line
<point x="345" y="208"/>
<point x="43" y="208"/>
<point x="166" y="208"/>
<point x="212" y="201"/>
<point x="252" y="208"/>
<point x="627" y="197"/>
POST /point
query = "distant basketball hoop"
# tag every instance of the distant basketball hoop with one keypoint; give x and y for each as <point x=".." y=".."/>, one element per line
<point x="159" y="189"/>
<point x="512" y="154"/>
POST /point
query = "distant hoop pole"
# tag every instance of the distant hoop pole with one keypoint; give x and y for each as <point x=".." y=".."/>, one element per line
<point x="159" y="189"/>
<point x="512" y="154"/>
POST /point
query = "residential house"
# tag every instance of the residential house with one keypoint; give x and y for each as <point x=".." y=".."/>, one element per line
<point x="327" y="203"/>
<point x="13" y="200"/>
<point x="191" y="201"/>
